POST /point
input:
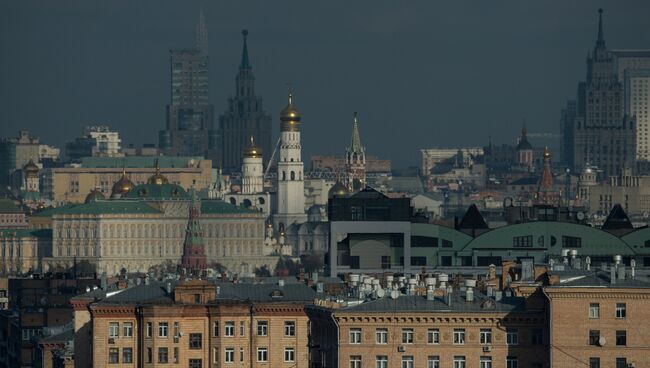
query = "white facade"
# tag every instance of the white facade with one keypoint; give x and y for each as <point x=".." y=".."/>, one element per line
<point x="108" y="142"/>
<point x="252" y="180"/>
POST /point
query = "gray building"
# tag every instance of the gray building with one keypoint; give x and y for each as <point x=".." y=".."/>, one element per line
<point x="190" y="116"/>
<point x="244" y="118"/>
<point x="597" y="127"/>
<point x="16" y="153"/>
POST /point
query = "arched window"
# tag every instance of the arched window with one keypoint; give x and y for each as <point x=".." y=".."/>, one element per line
<point x="284" y="175"/>
<point x="293" y="175"/>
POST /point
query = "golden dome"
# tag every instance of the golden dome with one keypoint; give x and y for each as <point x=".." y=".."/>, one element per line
<point x="290" y="117"/>
<point x="94" y="195"/>
<point x="158" y="178"/>
<point x="31" y="168"/>
<point x="122" y="186"/>
<point x="338" y="190"/>
<point x="252" y="150"/>
<point x="547" y="153"/>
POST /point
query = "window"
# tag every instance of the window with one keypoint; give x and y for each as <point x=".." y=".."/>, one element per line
<point x="163" y="355"/>
<point x="127" y="355"/>
<point x="381" y="361"/>
<point x="594" y="362"/>
<point x="113" y="329"/>
<point x="381" y="336"/>
<point x="407" y="336"/>
<point x="162" y="329"/>
<point x="594" y="336"/>
<point x="230" y="329"/>
<point x="215" y="329"/>
<point x="149" y="329"/>
<point x="241" y="354"/>
<point x="433" y="336"/>
<point x="537" y="336"/>
<point x="459" y="336"/>
<point x="262" y="328"/>
<point x="289" y="354"/>
<point x="176" y="355"/>
<point x="385" y="262"/>
<point x="113" y="355"/>
<point x="229" y="355"/>
<point x="620" y="310"/>
<point x="355" y="336"/>
<point x="289" y="328"/>
<point x="621" y="363"/>
<point x="459" y="362"/>
<point x="242" y="328"/>
<point x="621" y="338"/>
<point x="128" y="329"/>
<point x="512" y="362"/>
<point x="485" y="362"/>
<point x="195" y="363"/>
<point x="522" y="241"/>
<point x="407" y="361"/>
<point x="594" y="310"/>
<point x="433" y="361"/>
<point x="512" y="337"/>
<point x="355" y="361"/>
<point x="215" y="355"/>
<point x="485" y="336"/>
<point x="149" y="355"/>
<point x="571" y="242"/>
<point x="195" y="340"/>
<point x="262" y="354"/>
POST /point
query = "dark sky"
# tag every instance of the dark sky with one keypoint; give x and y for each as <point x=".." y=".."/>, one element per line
<point x="420" y="73"/>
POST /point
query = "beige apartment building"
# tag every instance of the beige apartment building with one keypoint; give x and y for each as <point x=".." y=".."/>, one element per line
<point x="72" y="184"/>
<point x="194" y="324"/>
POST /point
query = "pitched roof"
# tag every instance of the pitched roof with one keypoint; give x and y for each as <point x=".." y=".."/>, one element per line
<point x="369" y="192"/>
<point x="158" y="192"/>
<point x="416" y="303"/>
<point x="473" y="219"/>
<point x="26" y="233"/>
<point x="617" y="219"/>
<point x="9" y="206"/>
<point x="213" y="206"/>
<point x="100" y="207"/>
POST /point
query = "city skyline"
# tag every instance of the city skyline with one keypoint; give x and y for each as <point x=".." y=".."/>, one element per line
<point x="435" y="80"/>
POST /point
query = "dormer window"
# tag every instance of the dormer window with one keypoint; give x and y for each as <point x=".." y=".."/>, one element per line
<point x="277" y="294"/>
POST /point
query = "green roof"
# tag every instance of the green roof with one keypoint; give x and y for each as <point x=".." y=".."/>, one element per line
<point x="33" y="196"/>
<point x="25" y="233"/>
<point x="138" y="161"/>
<point x="106" y="207"/>
<point x="50" y="211"/>
<point x="213" y="206"/>
<point x="9" y="206"/>
<point x="155" y="191"/>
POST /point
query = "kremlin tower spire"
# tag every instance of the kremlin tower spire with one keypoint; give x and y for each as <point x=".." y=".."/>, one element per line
<point x="194" y="259"/>
<point x="244" y="57"/>
<point x="601" y="39"/>
<point x="355" y="160"/>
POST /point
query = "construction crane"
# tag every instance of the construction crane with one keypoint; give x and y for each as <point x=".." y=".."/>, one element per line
<point x="268" y="166"/>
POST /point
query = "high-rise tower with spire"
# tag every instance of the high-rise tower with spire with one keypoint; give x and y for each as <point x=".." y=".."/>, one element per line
<point x="290" y="185"/>
<point x="355" y="160"/>
<point x="190" y="116"/>
<point x="597" y="130"/>
<point x="245" y="117"/>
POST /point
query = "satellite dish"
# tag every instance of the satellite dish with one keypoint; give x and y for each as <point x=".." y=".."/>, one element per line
<point x="380" y="293"/>
<point x="580" y="216"/>
<point x="602" y="341"/>
<point x="394" y="294"/>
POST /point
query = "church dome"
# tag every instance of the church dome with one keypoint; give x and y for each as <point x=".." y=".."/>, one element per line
<point x="338" y="190"/>
<point x="122" y="186"/>
<point x="523" y="141"/>
<point x="547" y="153"/>
<point x="158" y="178"/>
<point x="94" y="195"/>
<point x="31" y="168"/>
<point x="290" y="117"/>
<point x="252" y="150"/>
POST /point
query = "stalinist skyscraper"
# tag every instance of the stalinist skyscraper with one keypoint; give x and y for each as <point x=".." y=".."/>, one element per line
<point x="244" y="118"/>
<point x="291" y="185"/>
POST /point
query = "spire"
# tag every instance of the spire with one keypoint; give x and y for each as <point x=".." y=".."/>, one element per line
<point x="601" y="39"/>
<point x="355" y="145"/>
<point x="244" y="56"/>
<point x="193" y="259"/>
<point x="202" y="34"/>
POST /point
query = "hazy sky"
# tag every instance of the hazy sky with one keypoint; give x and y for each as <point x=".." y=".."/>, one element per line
<point x="420" y="73"/>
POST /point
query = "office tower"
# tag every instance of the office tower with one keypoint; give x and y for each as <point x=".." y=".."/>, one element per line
<point x="244" y="118"/>
<point x="355" y="160"/>
<point x="600" y="133"/>
<point x="189" y="130"/>
<point x="290" y="187"/>
<point x="633" y="68"/>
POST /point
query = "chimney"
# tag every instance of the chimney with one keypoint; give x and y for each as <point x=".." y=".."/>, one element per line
<point x="621" y="272"/>
<point x="632" y="267"/>
<point x="104" y="282"/>
<point x="169" y="288"/>
<point x="301" y="275"/>
<point x="450" y="291"/>
<point x="588" y="263"/>
<point x="612" y="274"/>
